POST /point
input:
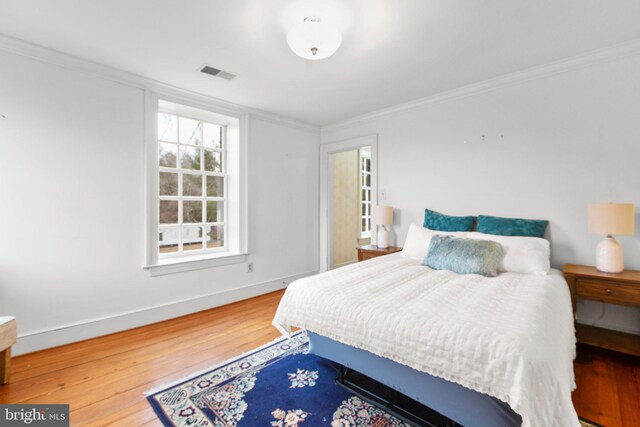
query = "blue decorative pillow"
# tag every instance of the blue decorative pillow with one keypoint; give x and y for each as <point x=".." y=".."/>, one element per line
<point x="512" y="226"/>
<point x="439" y="222"/>
<point x="464" y="256"/>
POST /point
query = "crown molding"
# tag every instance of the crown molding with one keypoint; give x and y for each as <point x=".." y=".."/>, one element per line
<point x="64" y="60"/>
<point x="576" y="62"/>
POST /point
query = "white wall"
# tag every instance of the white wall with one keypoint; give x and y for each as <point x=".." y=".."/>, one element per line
<point x="72" y="210"/>
<point x="570" y="139"/>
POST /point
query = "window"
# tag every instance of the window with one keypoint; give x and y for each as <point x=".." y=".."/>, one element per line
<point x="191" y="185"/>
<point x="365" y="191"/>
<point x="197" y="217"/>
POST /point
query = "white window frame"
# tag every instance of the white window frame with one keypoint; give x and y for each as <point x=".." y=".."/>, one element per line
<point x="364" y="155"/>
<point x="204" y="198"/>
<point x="234" y="147"/>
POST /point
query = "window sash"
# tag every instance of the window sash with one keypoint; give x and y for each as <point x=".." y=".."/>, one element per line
<point x="180" y="198"/>
<point x="365" y="196"/>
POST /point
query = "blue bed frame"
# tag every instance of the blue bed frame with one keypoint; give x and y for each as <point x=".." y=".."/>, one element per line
<point x="462" y="405"/>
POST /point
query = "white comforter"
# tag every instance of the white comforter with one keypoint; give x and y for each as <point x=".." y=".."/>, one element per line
<point x="511" y="336"/>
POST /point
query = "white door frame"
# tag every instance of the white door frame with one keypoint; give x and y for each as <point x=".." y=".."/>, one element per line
<point x="326" y="188"/>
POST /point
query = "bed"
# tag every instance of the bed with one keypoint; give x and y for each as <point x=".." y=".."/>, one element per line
<point x="481" y="351"/>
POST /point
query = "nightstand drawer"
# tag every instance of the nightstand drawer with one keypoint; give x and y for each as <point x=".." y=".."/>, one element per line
<point x="616" y="293"/>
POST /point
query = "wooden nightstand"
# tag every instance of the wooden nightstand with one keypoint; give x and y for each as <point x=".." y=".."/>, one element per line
<point x="371" y="251"/>
<point x="621" y="288"/>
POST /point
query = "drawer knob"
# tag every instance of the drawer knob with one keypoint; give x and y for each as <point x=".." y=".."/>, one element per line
<point x="608" y="291"/>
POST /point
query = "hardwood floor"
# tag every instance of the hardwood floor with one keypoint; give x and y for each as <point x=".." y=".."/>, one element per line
<point x="103" y="379"/>
<point x="608" y="389"/>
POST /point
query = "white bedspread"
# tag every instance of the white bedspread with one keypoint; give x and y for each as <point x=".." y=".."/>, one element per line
<point x="511" y="337"/>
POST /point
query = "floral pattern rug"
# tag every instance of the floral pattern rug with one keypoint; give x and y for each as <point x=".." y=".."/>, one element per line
<point x="278" y="385"/>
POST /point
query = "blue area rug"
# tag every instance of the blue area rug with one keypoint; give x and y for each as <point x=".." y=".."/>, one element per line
<point x="278" y="385"/>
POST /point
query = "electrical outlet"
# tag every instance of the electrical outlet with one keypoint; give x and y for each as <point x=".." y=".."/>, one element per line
<point x="249" y="267"/>
<point x="383" y="194"/>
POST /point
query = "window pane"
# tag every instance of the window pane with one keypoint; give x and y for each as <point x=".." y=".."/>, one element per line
<point x="168" y="240"/>
<point x="191" y="238"/>
<point x="215" y="186"/>
<point x="364" y="195"/>
<point x="168" y="184"/>
<point x="192" y="211"/>
<point x="190" y="131"/>
<point x="215" y="236"/>
<point x="364" y="224"/>
<point x="368" y="165"/>
<point x="215" y="211"/>
<point x="364" y="210"/>
<point x="212" y="135"/>
<point x="167" y="154"/>
<point x="167" y="127"/>
<point x="190" y="158"/>
<point x="191" y="184"/>
<point x="168" y="211"/>
<point x="212" y="161"/>
<point x="368" y="180"/>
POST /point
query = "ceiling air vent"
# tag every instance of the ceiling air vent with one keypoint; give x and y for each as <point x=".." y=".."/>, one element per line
<point x="218" y="73"/>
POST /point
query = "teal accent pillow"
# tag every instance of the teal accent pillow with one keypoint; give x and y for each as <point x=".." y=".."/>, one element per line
<point x="464" y="256"/>
<point x="436" y="221"/>
<point x="512" y="226"/>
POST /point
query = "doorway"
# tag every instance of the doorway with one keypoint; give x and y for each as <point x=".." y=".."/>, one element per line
<point x="348" y="193"/>
<point x="350" y="204"/>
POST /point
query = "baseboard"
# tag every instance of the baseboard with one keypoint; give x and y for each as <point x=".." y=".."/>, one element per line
<point x="39" y="340"/>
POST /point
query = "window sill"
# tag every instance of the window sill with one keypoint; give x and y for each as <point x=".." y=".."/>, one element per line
<point x="199" y="262"/>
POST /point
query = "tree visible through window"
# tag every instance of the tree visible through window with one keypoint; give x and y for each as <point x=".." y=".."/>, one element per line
<point x="191" y="190"/>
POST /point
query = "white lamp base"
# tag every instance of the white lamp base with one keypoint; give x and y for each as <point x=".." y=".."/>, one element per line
<point x="383" y="238"/>
<point x="609" y="256"/>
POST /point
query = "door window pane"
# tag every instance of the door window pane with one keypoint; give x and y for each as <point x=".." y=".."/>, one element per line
<point x="214" y="236"/>
<point x="212" y="161"/>
<point x="168" y="211"/>
<point x="191" y="238"/>
<point x="168" y="239"/>
<point x="189" y="157"/>
<point x="215" y="186"/>
<point x="167" y="154"/>
<point x="168" y="184"/>
<point x="215" y="211"/>
<point x="191" y="184"/>
<point x="212" y="135"/>
<point x="191" y="211"/>
<point x="190" y="131"/>
<point x="167" y="127"/>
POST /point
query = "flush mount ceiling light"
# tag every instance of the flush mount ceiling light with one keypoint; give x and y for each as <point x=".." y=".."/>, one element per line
<point x="313" y="39"/>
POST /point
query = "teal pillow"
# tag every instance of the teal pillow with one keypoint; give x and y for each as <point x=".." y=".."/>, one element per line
<point x="512" y="226"/>
<point x="439" y="222"/>
<point x="464" y="256"/>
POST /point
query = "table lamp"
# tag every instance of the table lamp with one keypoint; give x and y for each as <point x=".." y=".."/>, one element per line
<point x="610" y="219"/>
<point x="383" y="217"/>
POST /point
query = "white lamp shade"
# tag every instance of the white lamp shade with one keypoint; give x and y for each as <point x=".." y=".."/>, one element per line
<point x="383" y="215"/>
<point x="314" y="40"/>
<point x="612" y="218"/>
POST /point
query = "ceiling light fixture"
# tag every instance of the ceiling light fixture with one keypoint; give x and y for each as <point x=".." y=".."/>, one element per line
<point x="313" y="39"/>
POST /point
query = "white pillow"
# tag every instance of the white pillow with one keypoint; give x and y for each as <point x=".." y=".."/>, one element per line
<point x="526" y="255"/>
<point x="416" y="245"/>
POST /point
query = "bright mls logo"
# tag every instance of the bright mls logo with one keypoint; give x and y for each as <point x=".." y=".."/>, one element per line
<point x="34" y="415"/>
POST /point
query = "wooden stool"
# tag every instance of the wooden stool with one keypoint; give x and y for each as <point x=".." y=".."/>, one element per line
<point x="7" y="339"/>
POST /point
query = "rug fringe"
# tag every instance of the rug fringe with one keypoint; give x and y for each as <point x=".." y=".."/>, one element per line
<point x="212" y="367"/>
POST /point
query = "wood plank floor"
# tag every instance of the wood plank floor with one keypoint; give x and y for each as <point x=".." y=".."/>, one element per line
<point x="103" y="379"/>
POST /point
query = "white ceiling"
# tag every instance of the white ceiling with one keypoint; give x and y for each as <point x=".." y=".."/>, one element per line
<point x="393" y="51"/>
